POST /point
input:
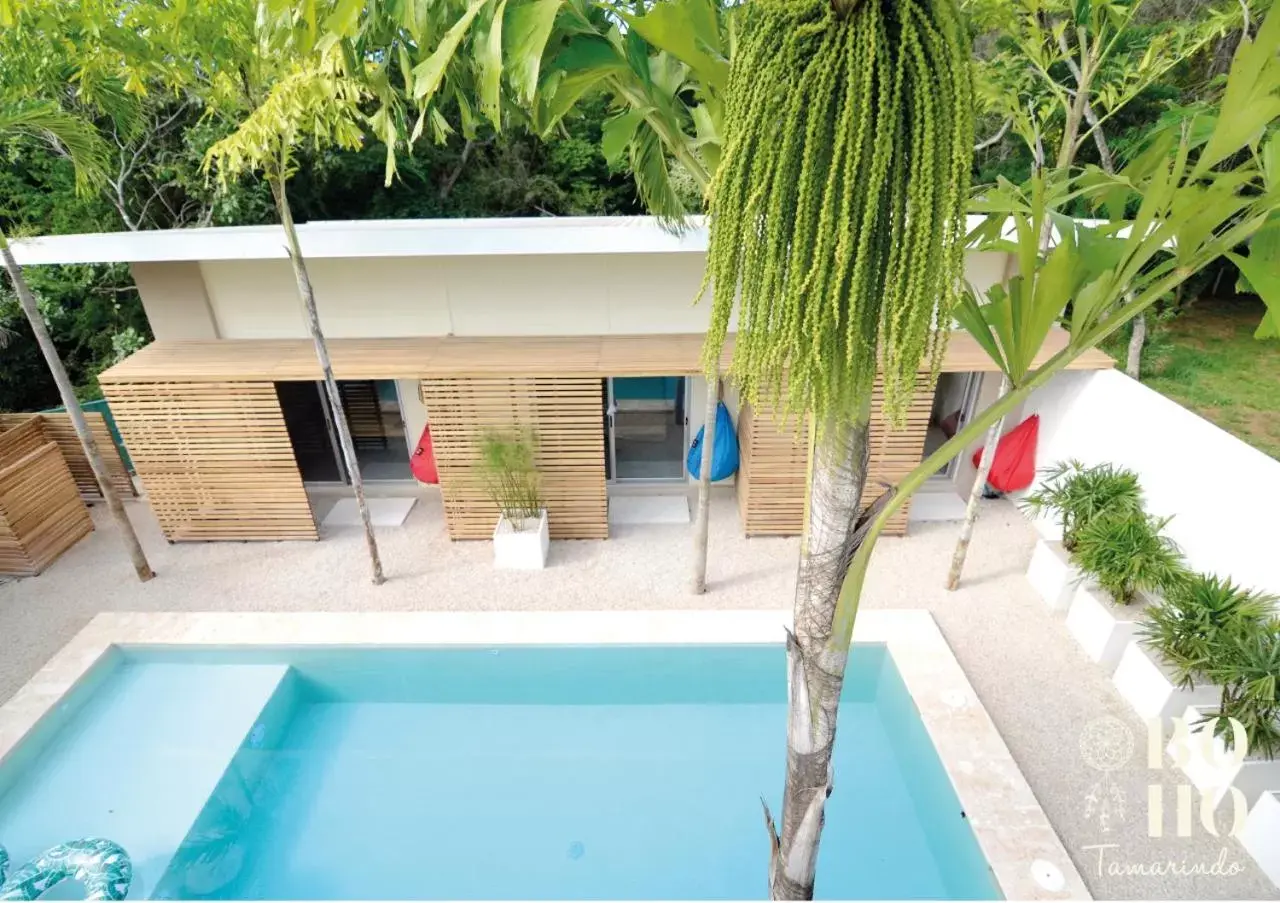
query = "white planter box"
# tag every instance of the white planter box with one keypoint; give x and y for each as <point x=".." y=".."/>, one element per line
<point x="1145" y="684"/>
<point x="1101" y="628"/>
<point x="1212" y="768"/>
<point x="1052" y="575"/>
<point x="521" y="549"/>
<point x="1261" y="835"/>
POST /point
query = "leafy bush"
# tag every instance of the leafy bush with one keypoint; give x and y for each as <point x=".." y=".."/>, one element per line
<point x="510" y="474"/>
<point x="1126" y="552"/>
<point x="1249" y="671"/>
<point x="1198" y="621"/>
<point x="1074" y="495"/>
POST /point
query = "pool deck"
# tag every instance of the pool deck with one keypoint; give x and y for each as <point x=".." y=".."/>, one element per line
<point x="1038" y="689"/>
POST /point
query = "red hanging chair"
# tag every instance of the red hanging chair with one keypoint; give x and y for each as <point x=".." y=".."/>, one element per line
<point x="423" y="462"/>
<point x="1015" y="465"/>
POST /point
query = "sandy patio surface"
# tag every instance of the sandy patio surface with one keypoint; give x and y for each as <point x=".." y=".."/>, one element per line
<point x="1039" y="689"/>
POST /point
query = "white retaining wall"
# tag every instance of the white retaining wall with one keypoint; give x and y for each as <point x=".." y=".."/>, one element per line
<point x="1223" y="494"/>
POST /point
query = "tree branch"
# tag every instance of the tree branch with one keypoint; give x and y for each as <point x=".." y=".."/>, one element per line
<point x="994" y="139"/>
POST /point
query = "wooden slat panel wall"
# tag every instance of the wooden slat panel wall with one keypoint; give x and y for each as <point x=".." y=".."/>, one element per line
<point x="41" y="514"/>
<point x="22" y="439"/>
<point x="896" y="452"/>
<point x="59" y="429"/>
<point x="215" y="459"/>
<point x="774" y="470"/>
<point x="567" y="415"/>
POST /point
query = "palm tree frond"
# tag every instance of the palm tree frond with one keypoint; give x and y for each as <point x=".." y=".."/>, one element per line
<point x="69" y="134"/>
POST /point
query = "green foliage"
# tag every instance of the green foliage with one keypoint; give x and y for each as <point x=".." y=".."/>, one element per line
<point x="509" y="470"/>
<point x="1127" y="553"/>
<point x="1248" y="668"/>
<point x="1074" y="495"/>
<point x="1197" y="622"/>
<point x="664" y="77"/>
<point x="837" y="213"/>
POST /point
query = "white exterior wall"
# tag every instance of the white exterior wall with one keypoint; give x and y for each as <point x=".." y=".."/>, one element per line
<point x="386" y="297"/>
<point x="412" y="410"/>
<point x="1223" y="494"/>
<point x="467" y="296"/>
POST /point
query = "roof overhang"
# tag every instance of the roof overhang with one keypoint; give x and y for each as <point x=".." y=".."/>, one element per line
<point x="374" y="238"/>
<point x="564" y="235"/>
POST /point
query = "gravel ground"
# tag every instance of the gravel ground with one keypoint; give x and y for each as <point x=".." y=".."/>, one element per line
<point x="1039" y="689"/>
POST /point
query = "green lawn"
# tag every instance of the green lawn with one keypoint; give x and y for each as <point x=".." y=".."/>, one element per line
<point x="1208" y="361"/>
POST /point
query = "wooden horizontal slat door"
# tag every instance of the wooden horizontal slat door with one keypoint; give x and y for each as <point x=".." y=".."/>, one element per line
<point x="214" y="459"/>
<point x="566" y="413"/>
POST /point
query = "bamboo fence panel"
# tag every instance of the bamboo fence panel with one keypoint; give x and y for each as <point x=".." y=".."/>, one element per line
<point x="59" y="429"/>
<point x="41" y="513"/>
<point x="566" y="413"/>
<point x="215" y="459"/>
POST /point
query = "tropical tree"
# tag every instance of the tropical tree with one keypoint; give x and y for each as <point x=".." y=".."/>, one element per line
<point x="1066" y="68"/>
<point x="1074" y="66"/>
<point x="263" y="67"/>
<point x="48" y="123"/>
<point x="1199" y="194"/>
<point x="837" y="235"/>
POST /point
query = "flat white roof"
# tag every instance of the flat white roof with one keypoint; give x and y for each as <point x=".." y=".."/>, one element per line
<point x="378" y="238"/>
<point x="375" y="238"/>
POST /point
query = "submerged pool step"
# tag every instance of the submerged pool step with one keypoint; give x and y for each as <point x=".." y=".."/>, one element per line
<point x="214" y="851"/>
<point x="139" y="761"/>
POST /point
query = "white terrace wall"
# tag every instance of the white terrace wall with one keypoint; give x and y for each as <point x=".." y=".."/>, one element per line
<point x="1223" y="495"/>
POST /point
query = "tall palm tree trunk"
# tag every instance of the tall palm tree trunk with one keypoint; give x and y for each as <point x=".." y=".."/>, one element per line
<point x="703" y="524"/>
<point x="815" y="674"/>
<point x="345" y="441"/>
<point x="1137" y="340"/>
<point x="69" y="401"/>
<point x="975" y="494"/>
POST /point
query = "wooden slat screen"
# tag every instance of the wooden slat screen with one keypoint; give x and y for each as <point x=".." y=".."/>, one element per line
<point x="22" y="439"/>
<point x="772" y="472"/>
<point x="41" y="513"/>
<point x="774" y="469"/>
<point x="214" y="459"/>
<point x="896" y="451"/>
<point x="58" y="427"/>
<point x="567" y="415"/>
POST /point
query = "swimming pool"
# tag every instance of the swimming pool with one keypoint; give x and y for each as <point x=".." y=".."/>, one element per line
<point x="509" y="772"/>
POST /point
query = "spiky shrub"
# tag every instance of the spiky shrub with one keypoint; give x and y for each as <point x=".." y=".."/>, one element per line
<point x="1249" y="671"/>
<point x="1074" y="494"/>
<point x="1199" y="620"/>
<point x="510" y="474"/>
<point x="837" y="211"/>
<point x="1127" y="552"/>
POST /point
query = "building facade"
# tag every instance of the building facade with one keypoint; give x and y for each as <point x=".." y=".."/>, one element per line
<point x="583" y="329"/>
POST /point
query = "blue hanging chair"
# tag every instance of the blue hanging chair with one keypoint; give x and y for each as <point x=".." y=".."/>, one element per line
<point x="724" y="457"/>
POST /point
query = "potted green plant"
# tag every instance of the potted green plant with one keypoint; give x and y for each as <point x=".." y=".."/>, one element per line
<point x="1165" y="669"/>
<point x="1124" y="557"/>
<point x="508" y="466"/>
<point x="1248" y="669"/>
<point x="1068" y="496"/>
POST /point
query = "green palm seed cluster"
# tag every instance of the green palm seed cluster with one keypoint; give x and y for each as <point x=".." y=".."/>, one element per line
<point x="837" y="212"/>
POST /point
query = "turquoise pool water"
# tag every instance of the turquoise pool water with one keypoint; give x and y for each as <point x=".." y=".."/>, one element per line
<point x="519" y="773"/>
